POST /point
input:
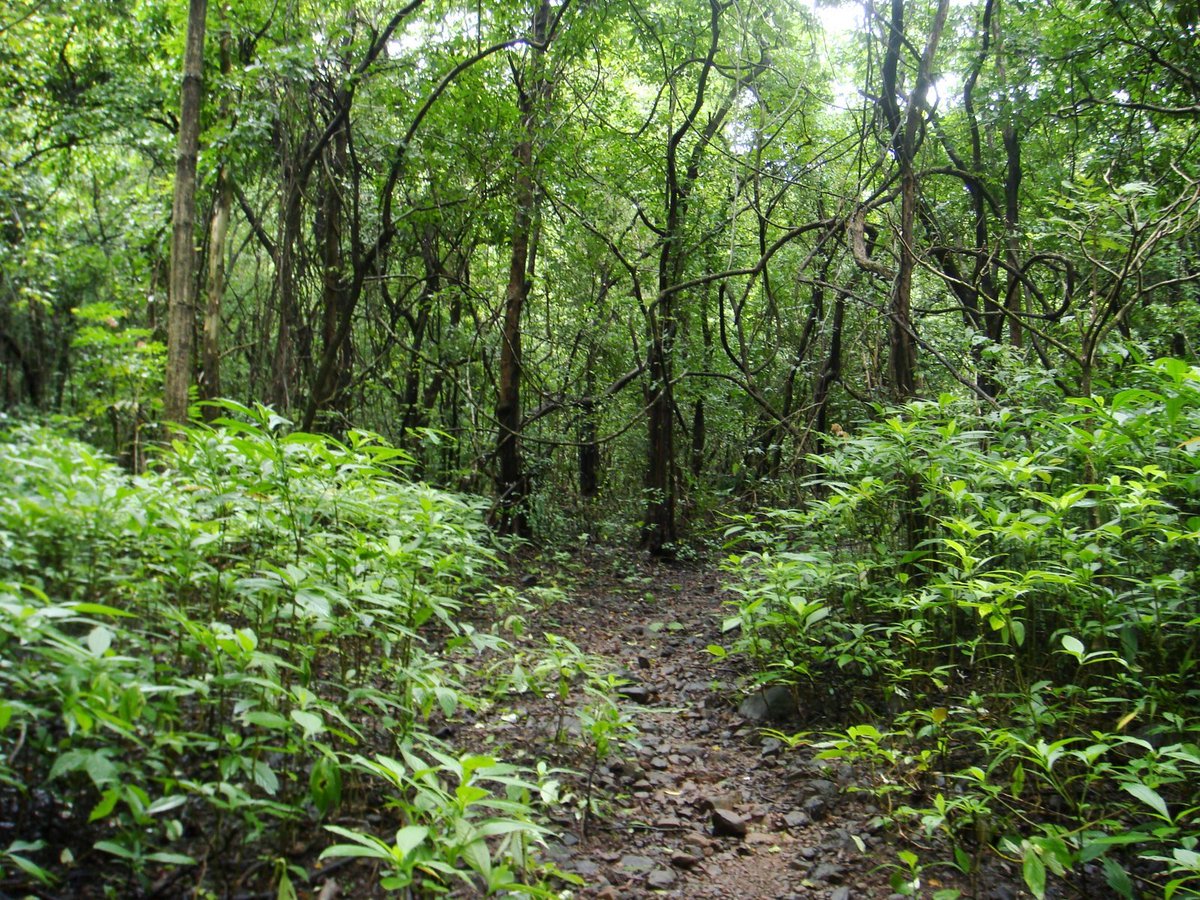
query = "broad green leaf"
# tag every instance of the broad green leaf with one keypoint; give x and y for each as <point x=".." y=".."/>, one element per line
<point x="409" y="838"/>
<point x="1034" y="871"/>
<point x="166" y="804"/>
<point x="100" y="768"/>
<point x="29" y="867"/>
<point x="108" y="802"/>
<point x="99" y="609"/>
<point x="447" y="699"/>
<point x="476" y="855"/>
<point x="115" y="849"/>
<point x="286" y="890"/>
<point x="310" y="722"/>
<point x="265" y="777"/>
<point x="265" y="719"/>
<point x="1117" y="878"/>
<point x="1185" y="857"/>
<point x="171" y="859"/>
<point x="468" y="794"/>
<point x="1149" y="796"/>
<point x="99" y="639"/>
<point x="364" y="845"/>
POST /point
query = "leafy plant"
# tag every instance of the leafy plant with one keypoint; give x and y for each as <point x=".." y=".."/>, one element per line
<point x="192" y="654"/>
<point x="1022" y="604"/>
<point x="467" y="819"/>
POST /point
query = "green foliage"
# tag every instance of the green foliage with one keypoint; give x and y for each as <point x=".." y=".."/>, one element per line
<point x="453" y="826"/>
<point x="208" y="650"/>
<point x="1016" y="592"/>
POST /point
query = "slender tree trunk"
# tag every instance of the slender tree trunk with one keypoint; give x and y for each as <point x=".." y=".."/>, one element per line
<point x="660" y="528"/>
<point x="905" y="143"/>
<point x="210" y="350"/>
<point x="831" y="371"/>
<point x="1012" y="213"/>
<point x="182" y="301"/>
<point x="512" y="482"/>
<point x="699" y="436"/>
<point x="901" y="341"/>
<point x="334" y="387"/>
<point x="283" y="379"/>
<point x="414" y="411"/>
<point x="589" y="449"/>
<point x="1012" y="190"/>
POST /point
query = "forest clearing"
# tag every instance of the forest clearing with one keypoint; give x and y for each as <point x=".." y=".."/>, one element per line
<point x="600" y="448"/>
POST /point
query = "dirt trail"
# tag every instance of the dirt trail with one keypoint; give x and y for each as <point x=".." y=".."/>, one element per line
<point x="706" y="806"/>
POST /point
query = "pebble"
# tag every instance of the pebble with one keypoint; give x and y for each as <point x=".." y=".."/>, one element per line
<point x="636" y="693"/>
<point x="633" y="863"/>
<point x="661" y="878"/>
<point x="771" y="704"/>
<point x="682" y="860"/>
<point x="822" y="787"/>
<point x="727" y="823"/>
<point x="827" y="872"/>
<point x="797" y="818"/>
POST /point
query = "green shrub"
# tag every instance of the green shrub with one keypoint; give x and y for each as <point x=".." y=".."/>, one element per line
<point x="199" y="658"/>
<point x="1014" y="592"/>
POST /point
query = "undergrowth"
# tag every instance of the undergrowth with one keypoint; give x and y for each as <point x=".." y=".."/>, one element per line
<point x="200" y="664"/>
<point x="1010" y="598"/>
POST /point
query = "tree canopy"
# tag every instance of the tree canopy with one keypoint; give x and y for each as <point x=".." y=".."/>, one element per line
<point x="595" y="253"/>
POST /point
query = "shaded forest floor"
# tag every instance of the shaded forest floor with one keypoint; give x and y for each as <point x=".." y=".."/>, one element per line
<point x="692" y="796"/>
<point x="693" y="799"/>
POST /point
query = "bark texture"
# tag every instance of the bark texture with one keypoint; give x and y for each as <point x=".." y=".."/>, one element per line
<point x="182" y="298"/>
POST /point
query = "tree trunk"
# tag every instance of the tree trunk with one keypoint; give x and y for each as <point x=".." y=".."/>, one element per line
<point x="660" y="530"/>
<point x="283" y="380"/>
<point x="698" y="438"/>
<point x="333" y="388"/>
<point x="182" y="300"/>
<point x="512" y="482"/>
<point x="210" y="349"/>
<point x="905" y="143"/>
<point x="901" y="340"/>
<point x="589" y="450"/>
<point x="830" y="372"/>
<point x="414" y="411"/>
<point x="1012" y="212"/>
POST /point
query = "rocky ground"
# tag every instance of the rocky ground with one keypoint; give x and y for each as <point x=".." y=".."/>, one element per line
<point x="701" y="801"/>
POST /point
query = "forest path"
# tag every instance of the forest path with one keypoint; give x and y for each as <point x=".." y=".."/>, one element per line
<point x="700" y="804"/>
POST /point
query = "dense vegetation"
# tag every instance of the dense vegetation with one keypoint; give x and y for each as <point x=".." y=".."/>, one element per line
<point x="1010" y="598"/>
<point x="213" y="657"/>
<point x="897" y="298"/>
